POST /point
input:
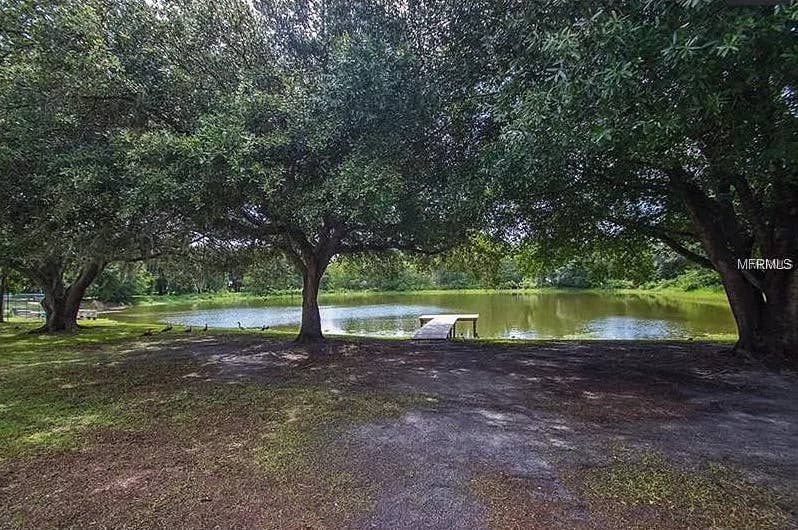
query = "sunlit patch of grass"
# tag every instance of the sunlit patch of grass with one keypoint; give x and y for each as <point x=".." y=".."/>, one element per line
<point x="711" y="498"/>
<point x="56" y="387"/>
<point x="49" y="421"/>
<point x="18" y="345"/>
<point x="60" y="429"/>
<point x="48" y="408"/>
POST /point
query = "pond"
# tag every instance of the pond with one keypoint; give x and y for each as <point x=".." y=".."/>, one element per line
<point x="531" y="315"/>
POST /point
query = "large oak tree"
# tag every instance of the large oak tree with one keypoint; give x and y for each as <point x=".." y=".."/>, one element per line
<point x="79" y="83"/>
<point x="676" y="121"/>
<point x="343" y="138"/>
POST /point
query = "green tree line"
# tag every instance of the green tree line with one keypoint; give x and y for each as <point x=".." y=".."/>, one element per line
<point x="204" y="273"/>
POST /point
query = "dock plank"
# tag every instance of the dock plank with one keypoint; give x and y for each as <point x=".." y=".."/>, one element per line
<point x="439" y="327"/>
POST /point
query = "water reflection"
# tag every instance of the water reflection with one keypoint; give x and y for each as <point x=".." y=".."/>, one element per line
<point x="625" y="327"/>
<point x="375" y="319"/>
<point x="502" y="315"/>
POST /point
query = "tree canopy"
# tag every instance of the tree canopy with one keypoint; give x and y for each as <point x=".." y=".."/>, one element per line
<point x="79" y="83"/>
<point x="576" y="131"/>
<point x="667" y="120"/>
<point x="340" y="140"/>
<point x="84" y="89"/>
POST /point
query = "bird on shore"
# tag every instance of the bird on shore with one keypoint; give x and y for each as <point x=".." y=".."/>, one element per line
<point x="206" y="327"/>
<point x="167" y="328"/>
<point x="147" y="333"/>
<point x="187" y="330"/>
<point x="240" y="326"/>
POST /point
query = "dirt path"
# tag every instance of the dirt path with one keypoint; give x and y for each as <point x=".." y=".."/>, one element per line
<point x="531" y="412"/>
<point x="528" y="436"/>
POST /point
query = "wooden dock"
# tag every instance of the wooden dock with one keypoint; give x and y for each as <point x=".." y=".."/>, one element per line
<point x="442" y="327"/>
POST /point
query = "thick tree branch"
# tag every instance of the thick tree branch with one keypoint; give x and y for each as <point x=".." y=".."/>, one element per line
<point x="670" y="238"/>
<point x="86" y="276"/>
<point x="685" y="252"/>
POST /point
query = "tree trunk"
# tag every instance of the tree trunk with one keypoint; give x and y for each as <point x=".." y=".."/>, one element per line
<point x="310" y="330"/>
<point x="767" y="325"/>
<point x="3" y="289"/>
<point x="62" y="304"/>
<point x="311" y="257"/>
<point x="54" y="305"/>
<point x="766" y="315"/>
<point x="764" y="303"/>
<point x="780" y="319"/>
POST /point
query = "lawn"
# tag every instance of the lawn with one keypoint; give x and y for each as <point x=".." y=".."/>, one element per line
<point x="109" y="428"/>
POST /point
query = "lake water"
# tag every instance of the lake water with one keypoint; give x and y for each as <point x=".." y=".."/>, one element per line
<point x="539" y="315"/>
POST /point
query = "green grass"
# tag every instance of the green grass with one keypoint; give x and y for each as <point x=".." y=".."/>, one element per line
<point x="17" y="344"/>
<point x="60" y="392"/>
<point x="711" y="498"/>
<point x="701" y="295"/>
<point x="54" y="388"/>
<point x="32" y="423"/>
<point x="42" y="406"/>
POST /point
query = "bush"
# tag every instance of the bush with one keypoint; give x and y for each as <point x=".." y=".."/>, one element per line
<point x="693" y="279"/>
<point x="118" y="285"/>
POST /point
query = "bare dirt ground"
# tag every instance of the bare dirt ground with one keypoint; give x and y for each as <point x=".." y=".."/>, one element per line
<point x="548" y="435"/>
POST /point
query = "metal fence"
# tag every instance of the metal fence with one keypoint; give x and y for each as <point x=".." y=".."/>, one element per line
<point x="26" y="305"/>
<point x="29" y="305"/>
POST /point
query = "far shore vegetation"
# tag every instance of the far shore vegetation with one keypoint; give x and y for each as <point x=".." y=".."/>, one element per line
<point x="195" y="276"/>
<point x="189" y="278"/>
